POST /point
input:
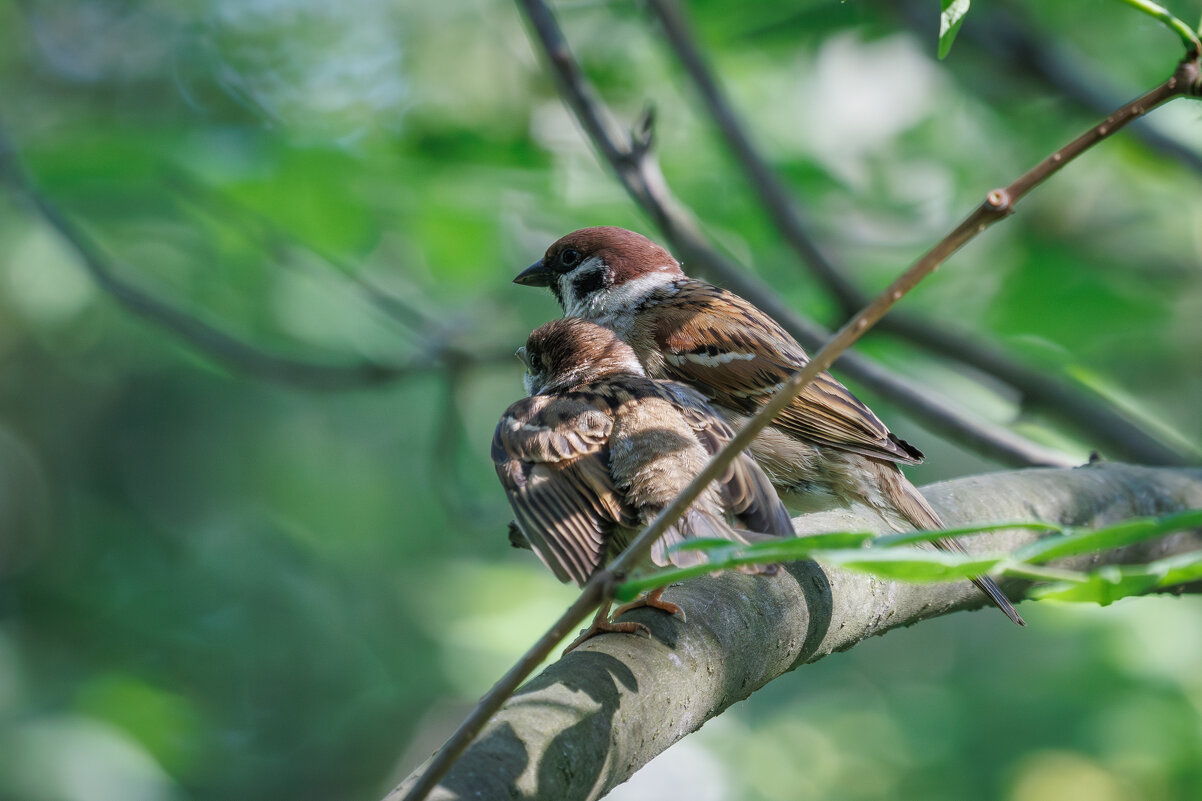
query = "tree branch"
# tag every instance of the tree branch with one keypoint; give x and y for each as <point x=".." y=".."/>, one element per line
<point x="997" y="205"/>
<point x="260" y="228"/>
<point x="775" y="199"/>
<point x="637" y="171"/>
<point x="1087" y="414"/>
<point x="223" y="348"/>
<point x="597" y="715"/>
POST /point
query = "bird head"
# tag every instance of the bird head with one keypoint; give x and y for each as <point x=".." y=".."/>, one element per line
<point x="569" y="352"/>
<point x="584" y="267"/>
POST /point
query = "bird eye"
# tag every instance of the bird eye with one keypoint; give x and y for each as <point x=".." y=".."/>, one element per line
<point x="569" y="258"/>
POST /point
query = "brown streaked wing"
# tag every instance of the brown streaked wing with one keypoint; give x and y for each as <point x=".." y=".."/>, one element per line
<point x="739" y="357"/>
<point x="746" y="491"/>
<point x="552" y="457"/>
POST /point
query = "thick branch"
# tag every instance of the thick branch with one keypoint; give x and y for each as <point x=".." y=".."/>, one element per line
<point x="640" y="176"/>
<point x="595" y="717"/>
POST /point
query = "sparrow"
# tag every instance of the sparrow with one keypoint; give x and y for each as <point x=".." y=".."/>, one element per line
<point x="599" y="449"/>
<point x="827" y="447"/>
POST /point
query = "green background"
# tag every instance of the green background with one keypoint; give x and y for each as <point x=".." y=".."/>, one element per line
<point x="215" y="586"/>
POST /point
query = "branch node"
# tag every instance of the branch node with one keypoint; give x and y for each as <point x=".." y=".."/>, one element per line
<point x="642" y="136"/>
<point x="998" y="200"/>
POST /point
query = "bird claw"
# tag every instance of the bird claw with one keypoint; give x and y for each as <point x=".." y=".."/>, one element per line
<point x="655" y="603"/>
<point x="605" y="627"/>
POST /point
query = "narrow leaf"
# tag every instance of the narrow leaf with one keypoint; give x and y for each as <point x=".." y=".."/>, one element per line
<point x="949" y="23"/>
<point x="1110" y="583"/>
<point x="1104" y="587"/>
<point x="908" y="537"/>
<point x="1125" y="533"/>
<point x="913" y="566"/>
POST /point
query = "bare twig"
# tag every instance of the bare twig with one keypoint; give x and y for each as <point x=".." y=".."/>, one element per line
<point x="997" y="205"/>
<point x="775" y="199"/>
<point x="1105" y="426"/>
<point x="638" y="172"/>
<point x="1013" y="47"/>
<point x="230" y="351"/>
<point x="257" y="225"/>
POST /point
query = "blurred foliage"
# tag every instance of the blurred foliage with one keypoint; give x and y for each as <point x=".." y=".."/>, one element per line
<point x="216" y="587"/>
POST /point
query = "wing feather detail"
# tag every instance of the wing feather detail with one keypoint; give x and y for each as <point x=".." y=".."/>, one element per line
<point x="738" y="357"/>
<point x="552" y="457"/>
<point x="746" y="492"/>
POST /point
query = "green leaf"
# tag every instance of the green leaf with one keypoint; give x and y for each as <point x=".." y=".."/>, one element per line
<point x="1188" y="37"/>
<point x="1183" y="568"/>
<point x="724" y="553"/>
<point x="1104" y="587"/>
<point x="1125" y="533"/>
<point x="949" y="23"/>
<point x="706" y="545"/>
<point x="914" y="566"/>
<point x="1112" y="582"/>
<point x="839" y="539"/>
<point x="909" y="537"/>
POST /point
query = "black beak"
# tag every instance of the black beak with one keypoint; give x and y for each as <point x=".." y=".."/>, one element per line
<point x="536" y="274"/>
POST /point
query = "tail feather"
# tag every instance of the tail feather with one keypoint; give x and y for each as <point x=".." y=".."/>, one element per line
<point x="909" y="502"/>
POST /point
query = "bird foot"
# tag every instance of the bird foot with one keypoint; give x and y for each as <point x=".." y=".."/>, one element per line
<point x="604" y="626"/>
<point x="604" y="622"/>
<point x="655" y="602"/>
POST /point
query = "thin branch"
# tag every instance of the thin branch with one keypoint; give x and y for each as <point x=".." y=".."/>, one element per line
<point x="225" y="349"/>
<point x="1186" y="80"/>
<point x="257" y="225"/>
<point x="639" y="174"/>
<point x="775" y="199"/>
<point x="1013" y="47"/>
<point x="997" y="205"/>
<point x="1102" y="424"/>
<point x="1189" y="39"/>
<point x="597" y="715"/>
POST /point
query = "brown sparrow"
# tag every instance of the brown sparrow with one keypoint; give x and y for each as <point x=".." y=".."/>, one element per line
<point x="599" y="449"/>
<point x="826" y="446"/>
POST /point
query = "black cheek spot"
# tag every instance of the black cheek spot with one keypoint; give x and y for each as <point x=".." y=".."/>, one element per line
<point x="588" y="283"/>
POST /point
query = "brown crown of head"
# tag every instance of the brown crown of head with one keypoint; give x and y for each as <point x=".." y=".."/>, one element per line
<point x="627" y="255"/>
<point x="572" y="351"/>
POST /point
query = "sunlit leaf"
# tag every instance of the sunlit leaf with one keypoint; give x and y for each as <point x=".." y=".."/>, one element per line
<point x="909" y="537"/>
<point x="1112" y="582"/>
<point x="1125" y="533"/>
<point x="913" y="565"/>
<point x="949" y="23"/>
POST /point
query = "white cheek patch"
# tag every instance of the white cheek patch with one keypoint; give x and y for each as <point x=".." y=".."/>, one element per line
<point x="706" y="360"/>
<point x="613" y="307"/>
<point x="574" y="306"/>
